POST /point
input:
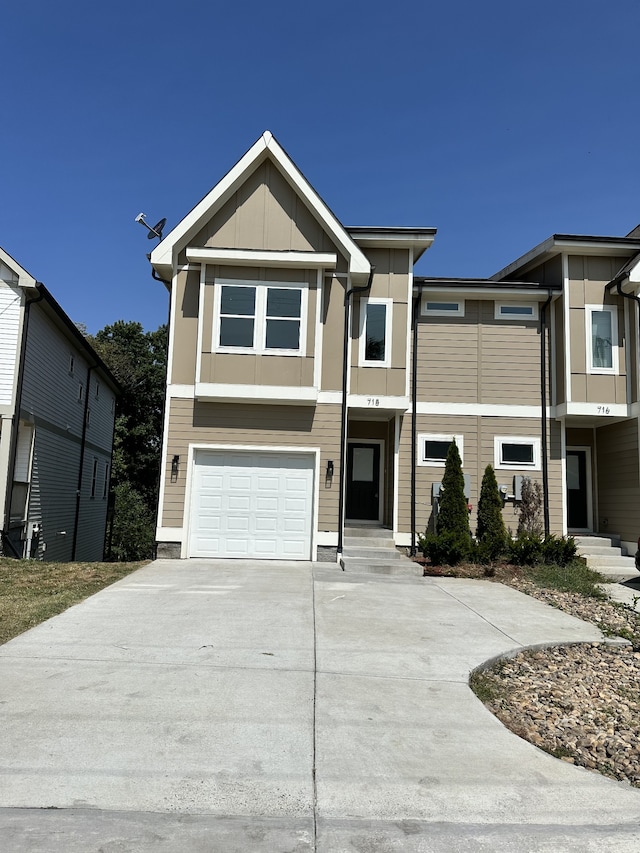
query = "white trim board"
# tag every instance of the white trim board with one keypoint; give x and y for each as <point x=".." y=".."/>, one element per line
<point x="483" y="410"/>
<point x="262" y="258"/>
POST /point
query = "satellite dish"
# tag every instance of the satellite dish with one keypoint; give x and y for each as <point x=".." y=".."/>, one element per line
<point x="156" y="231"/>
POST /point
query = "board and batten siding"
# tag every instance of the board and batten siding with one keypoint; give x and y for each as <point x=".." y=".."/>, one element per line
<point x="618" y="478"/>
<point x="478" y="359"/>
<point x="478" y="452"/>
<point x="247" y="425"/>
<point x="10" y="321"/>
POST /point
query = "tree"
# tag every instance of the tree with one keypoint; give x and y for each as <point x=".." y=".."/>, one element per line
<point x="530" y="508"/>
<point x="138" y="360"/>
<point x="453" y="512"/>
<point x="491" y="531"/>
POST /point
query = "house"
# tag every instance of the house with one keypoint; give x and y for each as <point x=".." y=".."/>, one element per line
<point x="304" y="355"/>
<point x="57" y="410"/>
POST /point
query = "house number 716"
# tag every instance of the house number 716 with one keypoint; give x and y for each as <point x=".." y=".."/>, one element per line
<point x="373" y="401"/>
<point x="603" y="410"/>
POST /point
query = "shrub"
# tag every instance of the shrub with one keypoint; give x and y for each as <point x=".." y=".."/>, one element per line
<point x="526" y="550"/>
<point x="491" y="532"/>
<point x="559" y="551"/>
<point x="453" y="512"/>
<point x="530" y="508"/>
<point x="132" y="534"/>
<point x="445" y="549"/>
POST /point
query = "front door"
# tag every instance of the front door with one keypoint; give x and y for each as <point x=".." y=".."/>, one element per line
<point x="577" y="490"/>
<point x="363" y="481"/>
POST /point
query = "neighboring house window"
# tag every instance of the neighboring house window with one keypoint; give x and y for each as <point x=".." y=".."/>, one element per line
<point x="602" y="338"/>
<point x="443" y="308"/>
<point x="515" y="311"/>
<point x="94" y="478"/>
<point x="72" y="364"/>
<point x="105" y="485"/>
<point x="433" y="448"/>
<point x="516" y="452"/>
<point x="88" y="416"/>
<point x="80" y="392"/>
<point x="264" y="318"/>
<point x="375" y="332"/>
<point x="97" y="389"/>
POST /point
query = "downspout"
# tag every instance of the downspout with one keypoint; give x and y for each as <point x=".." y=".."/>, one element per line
<point x="83" y="442"/>
<point x="543" y="394"/>
<point x="16" y="421"/>
<point x="414" y="417"/>
<point x="343" y="413"/>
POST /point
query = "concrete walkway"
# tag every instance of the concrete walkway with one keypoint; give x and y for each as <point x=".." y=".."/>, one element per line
<point x="230" y="706"/>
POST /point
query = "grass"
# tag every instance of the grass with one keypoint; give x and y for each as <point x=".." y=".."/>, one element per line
<point x="574" y="577"/>
<point x="486" y="684"/>
<point x="32" y="591"/>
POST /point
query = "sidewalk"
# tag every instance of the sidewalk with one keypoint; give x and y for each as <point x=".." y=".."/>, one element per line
<point x="232" y="706"/>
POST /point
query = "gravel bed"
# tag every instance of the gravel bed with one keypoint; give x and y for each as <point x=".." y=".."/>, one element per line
<point x="581" y="703"/>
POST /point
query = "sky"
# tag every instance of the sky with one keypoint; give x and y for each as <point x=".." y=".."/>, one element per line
<point x="499" y="123"/>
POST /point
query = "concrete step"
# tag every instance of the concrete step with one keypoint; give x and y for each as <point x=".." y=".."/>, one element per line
<point x="403" y="567"/>
<point x="368" y="542"/>
<point x="373" y="553"/>
<point x="598" y="541"/>
<point x="618" y="573"/>
<point x="600" y="550"/>
<point x="369" y="531"/>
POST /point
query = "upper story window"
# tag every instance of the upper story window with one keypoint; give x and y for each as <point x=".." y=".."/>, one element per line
<point x="375" y="332"/>
<point x="433" y="448"/>
<point x="260" y="318"/>
<point x="443" y="308"/>
<point x="516" y="311"/>
<point x="602" y="338"/>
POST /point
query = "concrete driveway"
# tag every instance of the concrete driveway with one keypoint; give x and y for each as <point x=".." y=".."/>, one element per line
<point x="232" y="706"/>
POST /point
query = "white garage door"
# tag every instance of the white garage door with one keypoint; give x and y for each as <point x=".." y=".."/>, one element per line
<point x="251" y="504"/>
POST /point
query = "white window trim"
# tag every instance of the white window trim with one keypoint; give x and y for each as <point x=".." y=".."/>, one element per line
<point x="260" y="319"/>
<point x="362" y="360"/>
<point x="607" y="371"/>
<point x="500" y="440"/>
<point x="441" y="312"/>
<point x="507" y="315"/>
<point x="430" y="436"/>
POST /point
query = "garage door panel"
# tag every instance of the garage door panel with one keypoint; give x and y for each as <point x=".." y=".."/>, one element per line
<point x="257" y="505"/>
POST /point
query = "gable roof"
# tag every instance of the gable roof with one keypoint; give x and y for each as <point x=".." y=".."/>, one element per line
<point x="25" y="279"/>
<point x="267" y="147"/>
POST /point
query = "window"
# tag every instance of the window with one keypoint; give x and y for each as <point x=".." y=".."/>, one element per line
<point x="602" y="338"/>
<point x="516" y="311"/>
<point x="88" y="416"/>
<point x="375" y="332"/>
<point x="443" y="308"/>
<point x="264" y="318"/>
<point x="72" y="365"/>
<point x="516" y="452"/>
<point x="97" y="389"/>
<point x="433" y="448"/>
<point x="105" y="485"/>
<point x="80" y="392"/>
<point x="94" y="478"/>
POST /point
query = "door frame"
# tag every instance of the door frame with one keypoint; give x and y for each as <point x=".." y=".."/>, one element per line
<point x="359" y="521"/>
<point x="589" y="478"/>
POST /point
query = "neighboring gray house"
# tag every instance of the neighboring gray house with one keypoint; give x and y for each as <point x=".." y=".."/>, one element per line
<point x="57" y="411"/>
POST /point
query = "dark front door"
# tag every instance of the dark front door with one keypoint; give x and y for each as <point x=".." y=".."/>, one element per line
<point x="577" y="507"/>
<point x="363" y="481"/>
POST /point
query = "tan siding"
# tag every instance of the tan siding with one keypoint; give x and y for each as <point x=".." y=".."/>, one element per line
<point x="478" y="452"/>
<point x="251" y="425"/>
<point x="185" y="327"/>
<point x="332" y="341"/>
<point x="560" y="394"/>
<point x="618" y="479"/>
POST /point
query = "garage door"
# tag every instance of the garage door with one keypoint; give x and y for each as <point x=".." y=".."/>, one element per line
<point x="251" y="504"/>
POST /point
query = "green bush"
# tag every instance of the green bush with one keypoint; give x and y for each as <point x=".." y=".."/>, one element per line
<point x="453" y="511"/>
<point x="558" y="550"/>
<point x="491" y="532"/>
<point x="132" y="534"/>
<point x="526" y="550"/>
<point x="445" y="549"/>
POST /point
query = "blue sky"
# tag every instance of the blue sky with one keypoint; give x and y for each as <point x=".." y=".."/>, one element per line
<point x="499" y="123"/>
